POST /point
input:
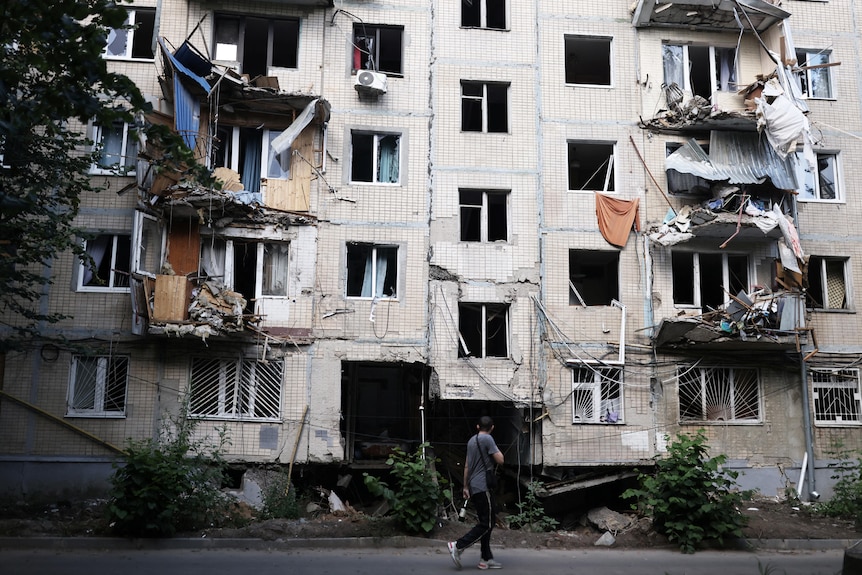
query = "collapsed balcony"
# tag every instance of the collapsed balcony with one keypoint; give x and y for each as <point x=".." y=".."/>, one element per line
<point x="708" y="15"/>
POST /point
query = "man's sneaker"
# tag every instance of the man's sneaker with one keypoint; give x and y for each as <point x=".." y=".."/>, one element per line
<point x="455" y="553"/>
<point x="490" y="564"/>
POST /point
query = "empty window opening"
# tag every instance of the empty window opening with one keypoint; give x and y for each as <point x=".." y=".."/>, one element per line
<point x="377" y="48"/>
<point x="235" y="389"/>
<point x="705" y="279"/>
<point x="815" y="76"/>
<point x="484" y="107"/>
<point x="256" y="43"/>
<point x="97" y="386"/>
<point x="484" y="329"/>
<point x="593" y="277"/>
<point x="117" y="149"/>
<point x="597" y="394"/>
<point x="483" y="14"/>
<point x="700" y="70"/>
<point x="718" y="394"/>
<point x="819" y="182"/>
<point x="375" y="158"/>
<point x="591" y="166"/>
<point x="837" y="395"/>
<point x="588" y="60"/>
<point x="372" y="271"/>
<point x="108" y="269"/>
<point x="827" y="283"/>
<point x="245" y="271"/>
<point x="136" y="40"/>
<point x="484" y="215"/>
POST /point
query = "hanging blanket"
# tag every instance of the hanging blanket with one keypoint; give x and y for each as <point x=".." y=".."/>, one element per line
<point x="616" y="218"/>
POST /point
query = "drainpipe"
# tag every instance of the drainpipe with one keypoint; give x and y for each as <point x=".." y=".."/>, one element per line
<point x="812" y="494"/>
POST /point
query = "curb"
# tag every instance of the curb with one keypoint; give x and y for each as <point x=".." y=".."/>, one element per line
<point x="398" y="542"/>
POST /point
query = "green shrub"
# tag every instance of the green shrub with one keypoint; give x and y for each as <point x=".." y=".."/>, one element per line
<point x="279" y="498"/>
<point x="689" y="498"/>
<point x="846" y="500"/>
<point x="169" y="485"/>
<point x="531" y="515"/>
<point x="419" y="491"/>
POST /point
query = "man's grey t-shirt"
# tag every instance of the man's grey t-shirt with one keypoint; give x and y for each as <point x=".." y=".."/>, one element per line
<point x="480" y="446"/>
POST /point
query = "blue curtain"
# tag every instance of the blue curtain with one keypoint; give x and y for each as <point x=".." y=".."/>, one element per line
<point x="250" y="145"/>
<point x="387" y="160"/>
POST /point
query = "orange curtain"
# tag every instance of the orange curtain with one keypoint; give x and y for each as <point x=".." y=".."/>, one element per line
<point x="616" y="218"/>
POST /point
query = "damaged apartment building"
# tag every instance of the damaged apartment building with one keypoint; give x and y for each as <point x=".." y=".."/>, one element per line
<point x="601" y="223"/>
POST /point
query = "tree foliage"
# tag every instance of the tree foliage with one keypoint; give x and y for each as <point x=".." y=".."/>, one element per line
<point x="53" y="79"/>
<point x="689" y="497"/>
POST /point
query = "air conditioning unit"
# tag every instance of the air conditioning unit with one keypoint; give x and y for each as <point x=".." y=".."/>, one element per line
<point x="370" y="82"/>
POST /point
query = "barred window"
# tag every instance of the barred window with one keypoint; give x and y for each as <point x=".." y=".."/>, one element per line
<point x="836" y="395"/>
<point x="718" y="394"/>
<point x="236" y="389"/>
<point x="597" y="394"/>
<point x="97" y="386"/>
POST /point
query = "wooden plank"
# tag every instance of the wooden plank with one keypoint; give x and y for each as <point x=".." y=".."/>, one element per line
<point x="172" y="297"/>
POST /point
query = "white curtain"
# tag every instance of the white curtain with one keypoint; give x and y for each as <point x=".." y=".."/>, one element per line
<point x="674" y="73"/>
<point x="97" y="248"/>
<point x="212" y="258"/>
<point x="275" y="259"/>
<point x="726" y="60"/>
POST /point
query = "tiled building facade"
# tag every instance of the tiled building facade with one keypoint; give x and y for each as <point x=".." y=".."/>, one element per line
<point x="438" y="248"/>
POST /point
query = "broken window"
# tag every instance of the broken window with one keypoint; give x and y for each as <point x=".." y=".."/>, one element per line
<point x="827" y="283"/>
<point x="815" y="77"/>
<point x="588" y="60"/>
<point x="483" y="14"/>
<point x="821" y="182"/>
<point x="372" y="271"/>
<point x="484" y="330"/>
<point x="704" y="280"/>
<point x="597" y="394"/>
<point x="484" y="215"/>
<point x="135" y="38"/>
<point x="700" y="70"/>
<point x="254" y="269"/>
<point x="484" y="107"/>
<point x="256" y="43"/>
<point x="117" y="149"/>
<point x="248" y="151"/>
<point x="109" y="269"/>
<point x="97" y="386"/>
<point x="724" y="394"/>
<point x="837" y="395"/>
<point x="681" y="183"/>
<point x="235" y="389"/>
<point x="148" y="245"/>
<point x="591" y="166"/>
<point x="375" y="158"/>
<point x="593" y="277"/>
<point x="377" y="48"/>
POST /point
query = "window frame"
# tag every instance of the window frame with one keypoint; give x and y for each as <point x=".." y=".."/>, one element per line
<point x="855" y="395"/>
<point x="734" y="389"/>
<point x="687" y="68"/>
<point x="569" y="51"/>
<point x="128" y="163"/>
<point x="362" y="30"/>
<point x="241" y="32"/>
<point x="260" y="247"/>
<point x="488" y="108"/>
<point x="113" y="286"/>
<point x="697" y="280"/>
<point x="602" y="389"/>
<point x="100" y="386"/>
<point x="804" y="76"/>
<point x="132" y="30"/>
<point x="486" y="211"/>
<point x="610" y="173"/>
<point x="823" y="273"/>
<point x="483" y="309"/>
<point x="809" y="177"/>
<point x="229" y="403"/>
<point x="376" y="138"/>
<point x="374" y="253"/>
<point x="485" y="14"/>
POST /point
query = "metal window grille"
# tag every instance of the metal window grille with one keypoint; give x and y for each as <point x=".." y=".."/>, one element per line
<point x="236" y="389"/>
<point x="596" y="395"/>
<point x="98" y="385"/>
<point x="836" y="395"/>
<point x="718" y="394"/>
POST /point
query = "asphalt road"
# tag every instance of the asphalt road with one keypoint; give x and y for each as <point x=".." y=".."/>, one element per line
<point x="416" y="561"/>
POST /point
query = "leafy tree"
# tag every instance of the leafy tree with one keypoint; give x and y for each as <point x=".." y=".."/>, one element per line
<point x="418" y="494"/>
<point x="846" y="499"/>
<point x="689" y="497"/>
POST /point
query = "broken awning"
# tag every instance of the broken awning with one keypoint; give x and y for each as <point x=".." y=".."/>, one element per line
<point x="314" y="109"/>
<point x="720" y="15"/>
<point x="187" y="107"/>
<point x="735" y="157"/>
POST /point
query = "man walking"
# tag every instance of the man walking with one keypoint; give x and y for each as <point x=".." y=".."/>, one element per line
<point x="482" y="455"/>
